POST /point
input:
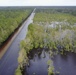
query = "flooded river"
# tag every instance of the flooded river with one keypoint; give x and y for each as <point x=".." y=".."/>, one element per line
<point x="9" y="62"/>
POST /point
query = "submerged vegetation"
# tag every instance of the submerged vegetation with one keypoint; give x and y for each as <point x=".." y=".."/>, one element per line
<point x="11" y="19"/>
<point x="59" y="26"/>
<point x="53" y="30"/>
<point x="50" y="68"/>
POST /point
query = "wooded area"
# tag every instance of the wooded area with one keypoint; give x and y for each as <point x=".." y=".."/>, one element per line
<point x="10" y="19"/>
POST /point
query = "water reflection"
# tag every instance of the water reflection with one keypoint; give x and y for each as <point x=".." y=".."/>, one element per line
<point x="65" y="64"/>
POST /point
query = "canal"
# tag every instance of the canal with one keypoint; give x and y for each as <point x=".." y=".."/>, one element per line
<point x="8" y="63"/>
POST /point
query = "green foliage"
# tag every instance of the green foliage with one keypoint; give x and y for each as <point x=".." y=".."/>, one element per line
<point x="18" y="71"/>
<point x="51" y="67"/>
<point x="35" y="36"/>
<point x="22" y="59"/>
<point x="48" y="62"/>
<point x="40" y="34"/>
<point x="10" y="20"/>
<point x="51" y="71"/>
<point x="54" y="37"/>
<point x="51" y="17"/>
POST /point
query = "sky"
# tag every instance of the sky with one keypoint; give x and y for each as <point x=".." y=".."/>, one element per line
<point x="37" y="2"/>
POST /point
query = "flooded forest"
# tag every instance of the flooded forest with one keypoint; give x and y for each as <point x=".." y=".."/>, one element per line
<point x="47" y="43"/>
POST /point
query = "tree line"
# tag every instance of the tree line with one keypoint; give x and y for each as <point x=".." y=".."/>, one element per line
<point x="10" y="20"/>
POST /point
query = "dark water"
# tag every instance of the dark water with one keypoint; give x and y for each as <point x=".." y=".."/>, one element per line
<point x="65" y="64"/>
<point x="9" y="62"/>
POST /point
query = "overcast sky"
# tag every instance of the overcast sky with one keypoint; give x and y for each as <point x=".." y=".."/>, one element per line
<point x="37" y="2"/>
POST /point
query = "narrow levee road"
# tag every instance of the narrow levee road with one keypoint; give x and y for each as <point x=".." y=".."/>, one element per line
<point x="8" y="63"/>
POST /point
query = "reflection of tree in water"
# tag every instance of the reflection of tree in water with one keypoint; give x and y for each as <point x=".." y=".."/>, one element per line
<point x="43" y="53"/>
<point x="37" y="53"/>
<point x="25" y="72"/>
<point x="34" y="53"/>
